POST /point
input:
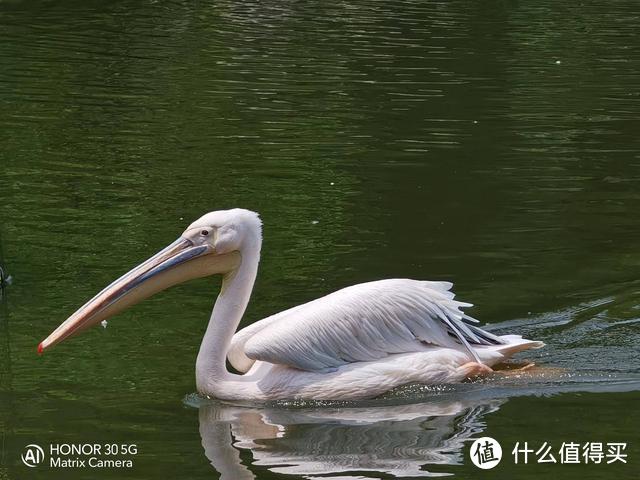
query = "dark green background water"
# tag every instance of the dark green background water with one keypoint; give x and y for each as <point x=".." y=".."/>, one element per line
<point x="492" y="144"/>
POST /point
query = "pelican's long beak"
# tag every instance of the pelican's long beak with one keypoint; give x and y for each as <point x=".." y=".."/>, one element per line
<point x="180" y="261"/>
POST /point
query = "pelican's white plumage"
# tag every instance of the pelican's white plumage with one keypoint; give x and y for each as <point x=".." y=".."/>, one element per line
<point x="364" y="322"/>
<point x="358" y="342"/>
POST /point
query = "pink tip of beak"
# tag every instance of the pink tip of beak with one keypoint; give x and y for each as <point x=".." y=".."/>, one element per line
<point x="40" y="349"/>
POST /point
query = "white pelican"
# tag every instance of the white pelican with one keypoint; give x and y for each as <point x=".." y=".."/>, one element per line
<point x="358" y="342"/>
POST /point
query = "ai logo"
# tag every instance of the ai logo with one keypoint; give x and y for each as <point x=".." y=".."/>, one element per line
<point x="33" y="455"/>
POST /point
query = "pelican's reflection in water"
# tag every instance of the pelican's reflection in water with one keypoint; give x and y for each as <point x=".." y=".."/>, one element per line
<point x="400" y="440"/>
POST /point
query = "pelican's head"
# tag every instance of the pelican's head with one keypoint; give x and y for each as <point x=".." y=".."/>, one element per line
<point x="212" y="244"/>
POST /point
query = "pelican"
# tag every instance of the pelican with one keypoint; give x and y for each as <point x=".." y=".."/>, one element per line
<point x="355" y="343"/>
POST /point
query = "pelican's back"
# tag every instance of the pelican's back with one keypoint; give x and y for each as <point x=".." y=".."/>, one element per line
<point x="364" y="322"/>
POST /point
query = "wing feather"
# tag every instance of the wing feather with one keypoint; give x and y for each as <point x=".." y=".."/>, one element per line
<point x="361" y="323"/>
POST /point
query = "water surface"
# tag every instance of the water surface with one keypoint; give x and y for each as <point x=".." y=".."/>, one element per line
<point x="494" y="145"/>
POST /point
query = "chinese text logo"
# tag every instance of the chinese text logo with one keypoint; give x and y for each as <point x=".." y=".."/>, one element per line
<point x="486" y="453"/>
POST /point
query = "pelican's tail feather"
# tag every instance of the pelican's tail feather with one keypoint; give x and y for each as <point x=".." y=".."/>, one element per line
<point x="515" y="343"/>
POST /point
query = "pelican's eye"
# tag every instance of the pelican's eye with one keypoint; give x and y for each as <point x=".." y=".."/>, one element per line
<point x="204" y="233"/>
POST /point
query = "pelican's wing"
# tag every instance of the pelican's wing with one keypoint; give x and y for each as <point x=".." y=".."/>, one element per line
<point x="361" y="323"/>
<point x="236" y="354"/>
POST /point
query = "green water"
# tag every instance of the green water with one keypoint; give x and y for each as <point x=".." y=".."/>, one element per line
<point x="492" y="144"/>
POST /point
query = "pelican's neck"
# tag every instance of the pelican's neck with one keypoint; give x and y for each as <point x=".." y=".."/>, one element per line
<point x="227" y="313"/>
